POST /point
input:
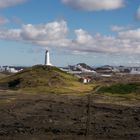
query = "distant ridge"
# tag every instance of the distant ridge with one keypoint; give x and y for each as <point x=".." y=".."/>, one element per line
<point x="85" y="66"/>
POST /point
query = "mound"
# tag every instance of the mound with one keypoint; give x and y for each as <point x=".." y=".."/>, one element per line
<point x="43" y="78"/>
<point x="125" y="88"/>
<point x="3" y="75"/>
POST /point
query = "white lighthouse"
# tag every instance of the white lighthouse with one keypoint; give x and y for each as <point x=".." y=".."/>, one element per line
<point x="47" y="58"/>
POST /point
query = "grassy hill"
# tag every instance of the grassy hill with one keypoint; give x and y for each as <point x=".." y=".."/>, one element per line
<point x="2" y="75"/>
<point x="121" y="88"/>
<point x="44" y="79"/>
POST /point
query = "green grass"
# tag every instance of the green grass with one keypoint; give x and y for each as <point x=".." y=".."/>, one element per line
<point x="121" y="88"/>
<point x="2" y="75"/>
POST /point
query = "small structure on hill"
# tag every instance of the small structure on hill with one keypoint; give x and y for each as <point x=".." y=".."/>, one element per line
<point x="47" y="58"/>
<point x="85" y="80"/>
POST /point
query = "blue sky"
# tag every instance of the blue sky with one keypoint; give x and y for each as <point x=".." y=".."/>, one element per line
<point x="91" y="31"/>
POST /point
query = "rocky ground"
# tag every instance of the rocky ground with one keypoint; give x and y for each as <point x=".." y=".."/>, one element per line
<point x="62" y="117"/>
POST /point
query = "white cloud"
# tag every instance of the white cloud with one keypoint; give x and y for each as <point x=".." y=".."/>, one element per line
<point x="130" y="34"/>
<point x="124" y="42"/>
<point x="116" y="28"/>
<point x="54" y="34"/>
<point x="50" y="34"/>
<point x="138" y="13"/>
<point x="3" y="20"/>
<point x="50" y="31"/>
<point x="82" y="37"/>
<point x="8" y="3"/>
<point x="94" y="5"/>
<point x="10" y="34"/>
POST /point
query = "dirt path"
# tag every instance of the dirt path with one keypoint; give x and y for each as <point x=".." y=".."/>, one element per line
<point x="65" y="117"/>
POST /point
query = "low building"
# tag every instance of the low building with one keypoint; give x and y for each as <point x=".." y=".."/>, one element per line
<point x="85" y="80"/>
<point x="135" y="70"/>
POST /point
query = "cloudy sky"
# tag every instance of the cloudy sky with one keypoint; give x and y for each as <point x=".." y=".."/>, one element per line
<point x="97" y="32"/>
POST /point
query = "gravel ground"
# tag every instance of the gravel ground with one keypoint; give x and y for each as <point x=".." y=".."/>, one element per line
<point x="66" y="117"/>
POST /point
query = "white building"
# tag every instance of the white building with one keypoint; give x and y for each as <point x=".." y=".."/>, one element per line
<point x="13" y="70"/>
<point x="135" y="70"/>
<point x="47" y="58"/>
<point x="85" y="80"/>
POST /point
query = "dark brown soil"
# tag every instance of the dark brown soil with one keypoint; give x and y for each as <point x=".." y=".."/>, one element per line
<point x="62" y="117"/>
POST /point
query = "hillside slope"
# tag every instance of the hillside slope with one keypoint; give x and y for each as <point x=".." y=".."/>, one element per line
<point x="3" y="75"/>
<point x="43" y="79"/>
<point x="121" y="88"/>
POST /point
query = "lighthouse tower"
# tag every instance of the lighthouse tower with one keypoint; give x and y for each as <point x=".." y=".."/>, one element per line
<point x="47" y="58"/>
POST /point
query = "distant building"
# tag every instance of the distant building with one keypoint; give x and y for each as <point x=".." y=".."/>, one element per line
<point x="11" y="69"/>
<point x="135" y="70"/>
<point x="85" y="80"/>
<point x="124" y="69"/>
